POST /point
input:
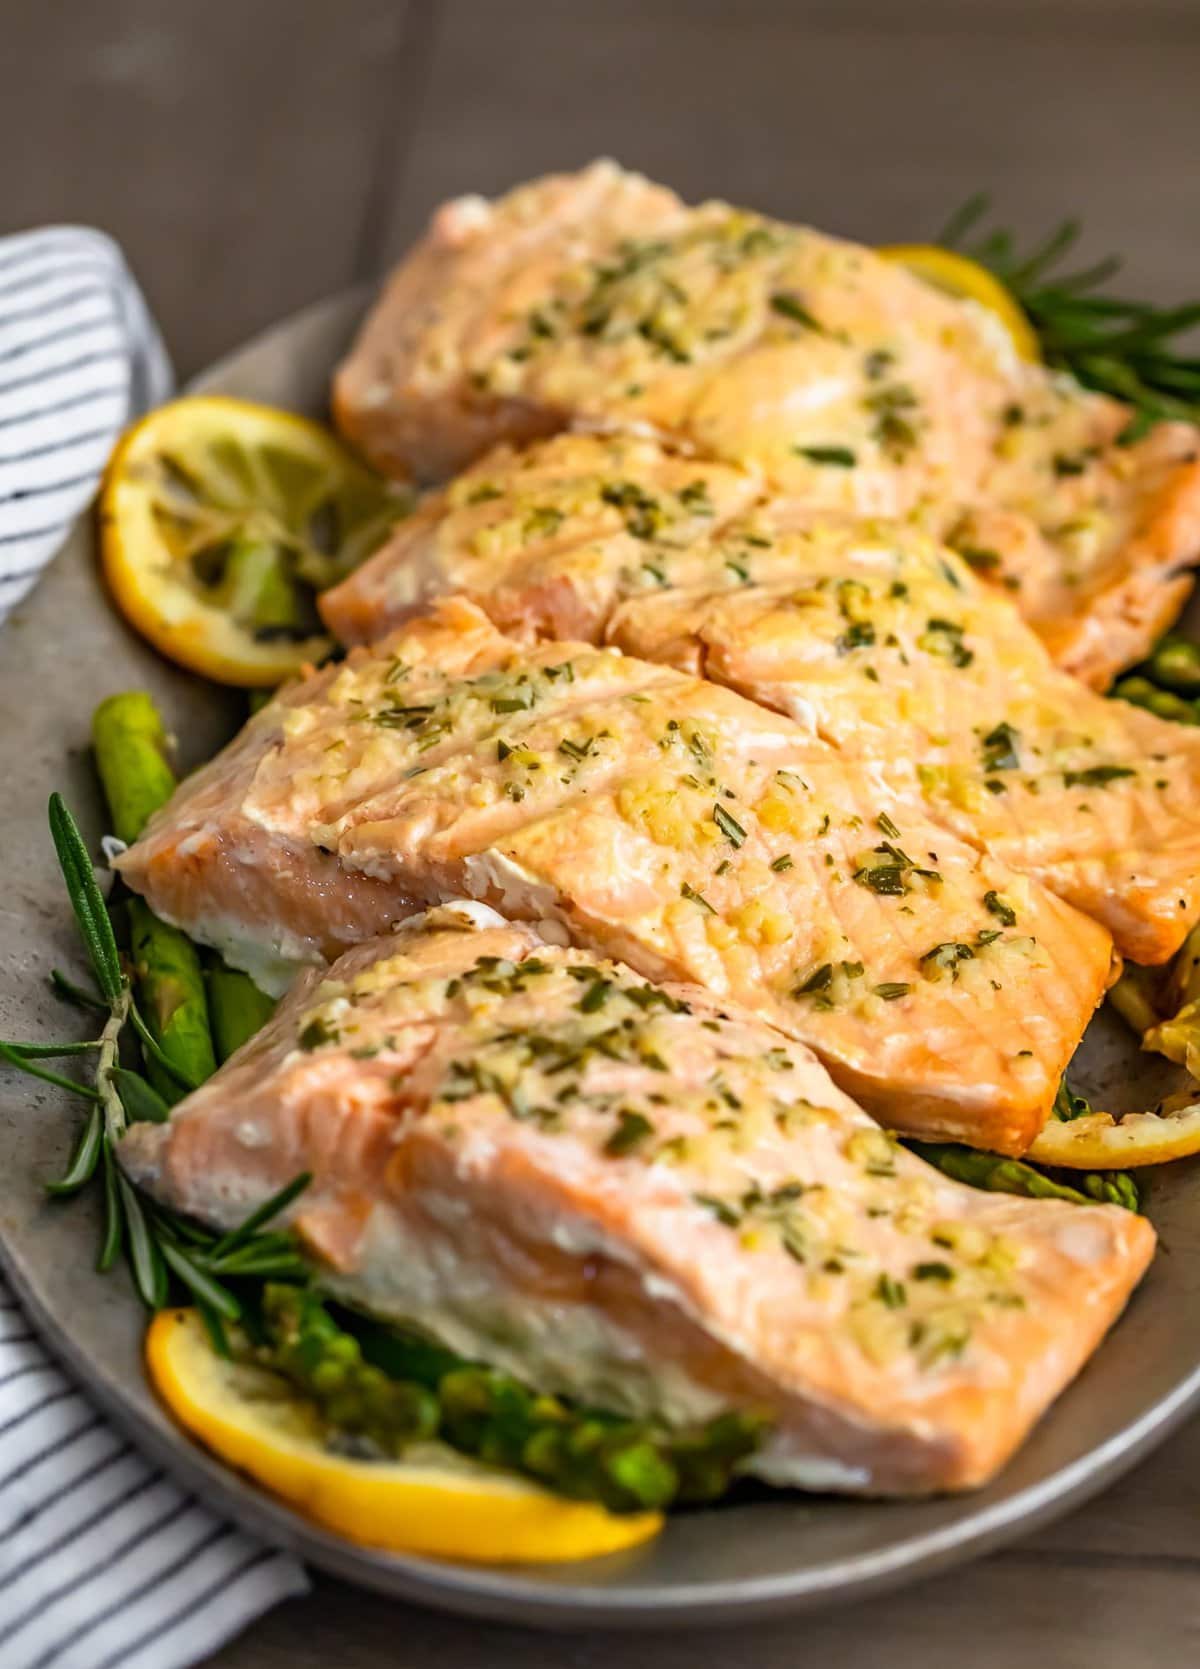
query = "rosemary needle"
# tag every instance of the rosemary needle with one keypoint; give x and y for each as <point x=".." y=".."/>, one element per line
<point x="1128" y="349"/>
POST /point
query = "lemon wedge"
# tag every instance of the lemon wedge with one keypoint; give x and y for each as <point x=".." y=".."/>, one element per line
<point x="965" y="279"/>
<point x="1100" y="1142"/>
<point x="219" y="522"/>
<point x="436" y="1503"/>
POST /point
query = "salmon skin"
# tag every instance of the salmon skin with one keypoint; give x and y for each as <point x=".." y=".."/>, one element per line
<point x="647" y="1200"/>
<point x="599" y="299"/>
<point x="869" y="632"/>
<point x="654" y="817"/>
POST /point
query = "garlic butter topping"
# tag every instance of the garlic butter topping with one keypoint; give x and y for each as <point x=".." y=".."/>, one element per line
<point x="699" y="834"/>
<point x="581" y="1052"/>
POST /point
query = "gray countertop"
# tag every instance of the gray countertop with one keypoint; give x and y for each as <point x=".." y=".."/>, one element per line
<point x="252" y="157"/>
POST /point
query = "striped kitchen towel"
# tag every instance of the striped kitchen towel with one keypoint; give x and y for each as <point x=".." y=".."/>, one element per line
<point x="79" y="356"/>
<point x="104" y="1562"/>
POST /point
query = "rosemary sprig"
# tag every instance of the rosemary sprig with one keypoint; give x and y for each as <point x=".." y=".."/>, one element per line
<point x="1124" y="348"/>
<point x="160" y="1246"/>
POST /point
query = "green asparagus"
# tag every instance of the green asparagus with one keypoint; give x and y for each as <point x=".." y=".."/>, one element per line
<point x="131" y="756"/>
<point x="1175" y="664"/>
<point x="236" y="1007"/>
<point x="1164" y="704"/>
<point x="170" y="992"/>
<point x="130" y="747"/>
<point x="393" y="1389"/>
<point x="999" y="1175"/>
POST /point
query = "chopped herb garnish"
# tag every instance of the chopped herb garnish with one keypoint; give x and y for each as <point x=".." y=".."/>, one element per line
<point x="887" y="827"/>
<point x="840" y="456"/>
<point x="317" y="1033"/>
<point x="860" y="635"/>
<point x="992" y="901"/>
<point x="894" y="429"/>
<point x="983" y="561"/>
<point x="690" y="893"/>
<point x="521" y="699"/>
<point x="891" y="989"/>
<point x="791" y="307"/>
<point x="782" y="863"/>
<point x="595" y="997"/>
<point x="1097" y="776"/>
<point x="945" y="638"/>
<point x="632" y="1129"/>
<point x="820" y="980"/>
<point x="722" y="1210"/>
<point x="890" y="1292"/>
<point x="543" y="519"/>
<point x="1069" y="463"/>
<point x="694" y="497"/>
<point x="1000" y="751"/>
<point x="945" y="958"/>
<point x="729" y="826"/>
<point x="644" y="515"/>
<point x="934" y="1271"/>
<point x="887" y="879"/>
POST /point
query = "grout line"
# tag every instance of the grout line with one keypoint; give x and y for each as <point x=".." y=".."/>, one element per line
<point x="405" y="95"/>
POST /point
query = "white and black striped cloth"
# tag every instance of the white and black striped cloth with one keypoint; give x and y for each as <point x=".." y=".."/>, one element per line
<point x="104" y="1562"/>
<point x="79" y="356"/>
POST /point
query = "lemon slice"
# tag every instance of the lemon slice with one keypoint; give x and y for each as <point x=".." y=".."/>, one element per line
<point x="437" y="1503"/>
<point x="965" y="279"/>
<point x="1100" y="1142"/>
<point x="220" y="520"/>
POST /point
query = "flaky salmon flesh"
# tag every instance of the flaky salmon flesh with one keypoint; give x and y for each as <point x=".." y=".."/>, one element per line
<point x="868" y="632"/>
<point x="645" y="1198"/>
<point x="600" y="299"/>
<point x="653" y="817"/>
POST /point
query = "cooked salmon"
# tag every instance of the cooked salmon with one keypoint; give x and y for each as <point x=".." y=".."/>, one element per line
<point x="869" y="632"/>
<point x="655" y="817"/>
<point x="646" y="1199"/>
<point x="600" y="299"/>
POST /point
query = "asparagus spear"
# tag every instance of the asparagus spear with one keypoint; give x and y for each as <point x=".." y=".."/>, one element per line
<point x="196" y="1017"/>
<point x="131" y="756"/>
<point x="1164" y="704"/>
<point x="1013" y="1176"/>
<point x="1175" y="664"/>
<point x="170" y="992"/>
<point x="236" y="1007"/>
<point x="130" y="747"/>
<point x="393" y="1389"/>
<point x="993" y="1172"/>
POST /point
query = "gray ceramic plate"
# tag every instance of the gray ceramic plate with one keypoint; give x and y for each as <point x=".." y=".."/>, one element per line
<point x="62" y="653"/>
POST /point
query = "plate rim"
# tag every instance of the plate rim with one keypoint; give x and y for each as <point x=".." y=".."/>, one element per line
<point x="505" y="1593"/>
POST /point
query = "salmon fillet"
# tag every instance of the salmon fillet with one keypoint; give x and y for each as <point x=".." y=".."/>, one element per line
<point x="654" y="817"/>
<point x="648" y="1200"/>
<point x="869" y="632"/>
<point x="600" y="299"/>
